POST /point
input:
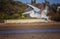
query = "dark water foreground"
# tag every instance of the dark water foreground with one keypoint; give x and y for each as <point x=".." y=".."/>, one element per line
<point x="31" y="36"/>
<point x="30" y="31"/>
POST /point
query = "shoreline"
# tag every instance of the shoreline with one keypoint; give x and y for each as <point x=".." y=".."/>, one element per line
<point x="36" y="23"/>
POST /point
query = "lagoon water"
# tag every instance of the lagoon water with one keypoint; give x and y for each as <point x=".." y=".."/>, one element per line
<point x="30" y="31"/>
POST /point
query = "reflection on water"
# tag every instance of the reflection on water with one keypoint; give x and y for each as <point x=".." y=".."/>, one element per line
<point x="28" y="31"/>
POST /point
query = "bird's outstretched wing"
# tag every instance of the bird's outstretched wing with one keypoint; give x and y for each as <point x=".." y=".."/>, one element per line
<point x="35" y="8"/>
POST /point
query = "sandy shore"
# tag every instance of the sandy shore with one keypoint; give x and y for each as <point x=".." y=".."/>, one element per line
<point x="29" y="26"/>
<point x="36" y="23"/>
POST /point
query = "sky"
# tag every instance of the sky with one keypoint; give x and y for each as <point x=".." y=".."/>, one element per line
<point x="39" y="1"/>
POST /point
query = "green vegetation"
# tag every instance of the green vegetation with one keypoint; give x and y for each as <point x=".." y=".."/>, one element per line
<point x="10" y="9"/>
<point x="33" y="1"/>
